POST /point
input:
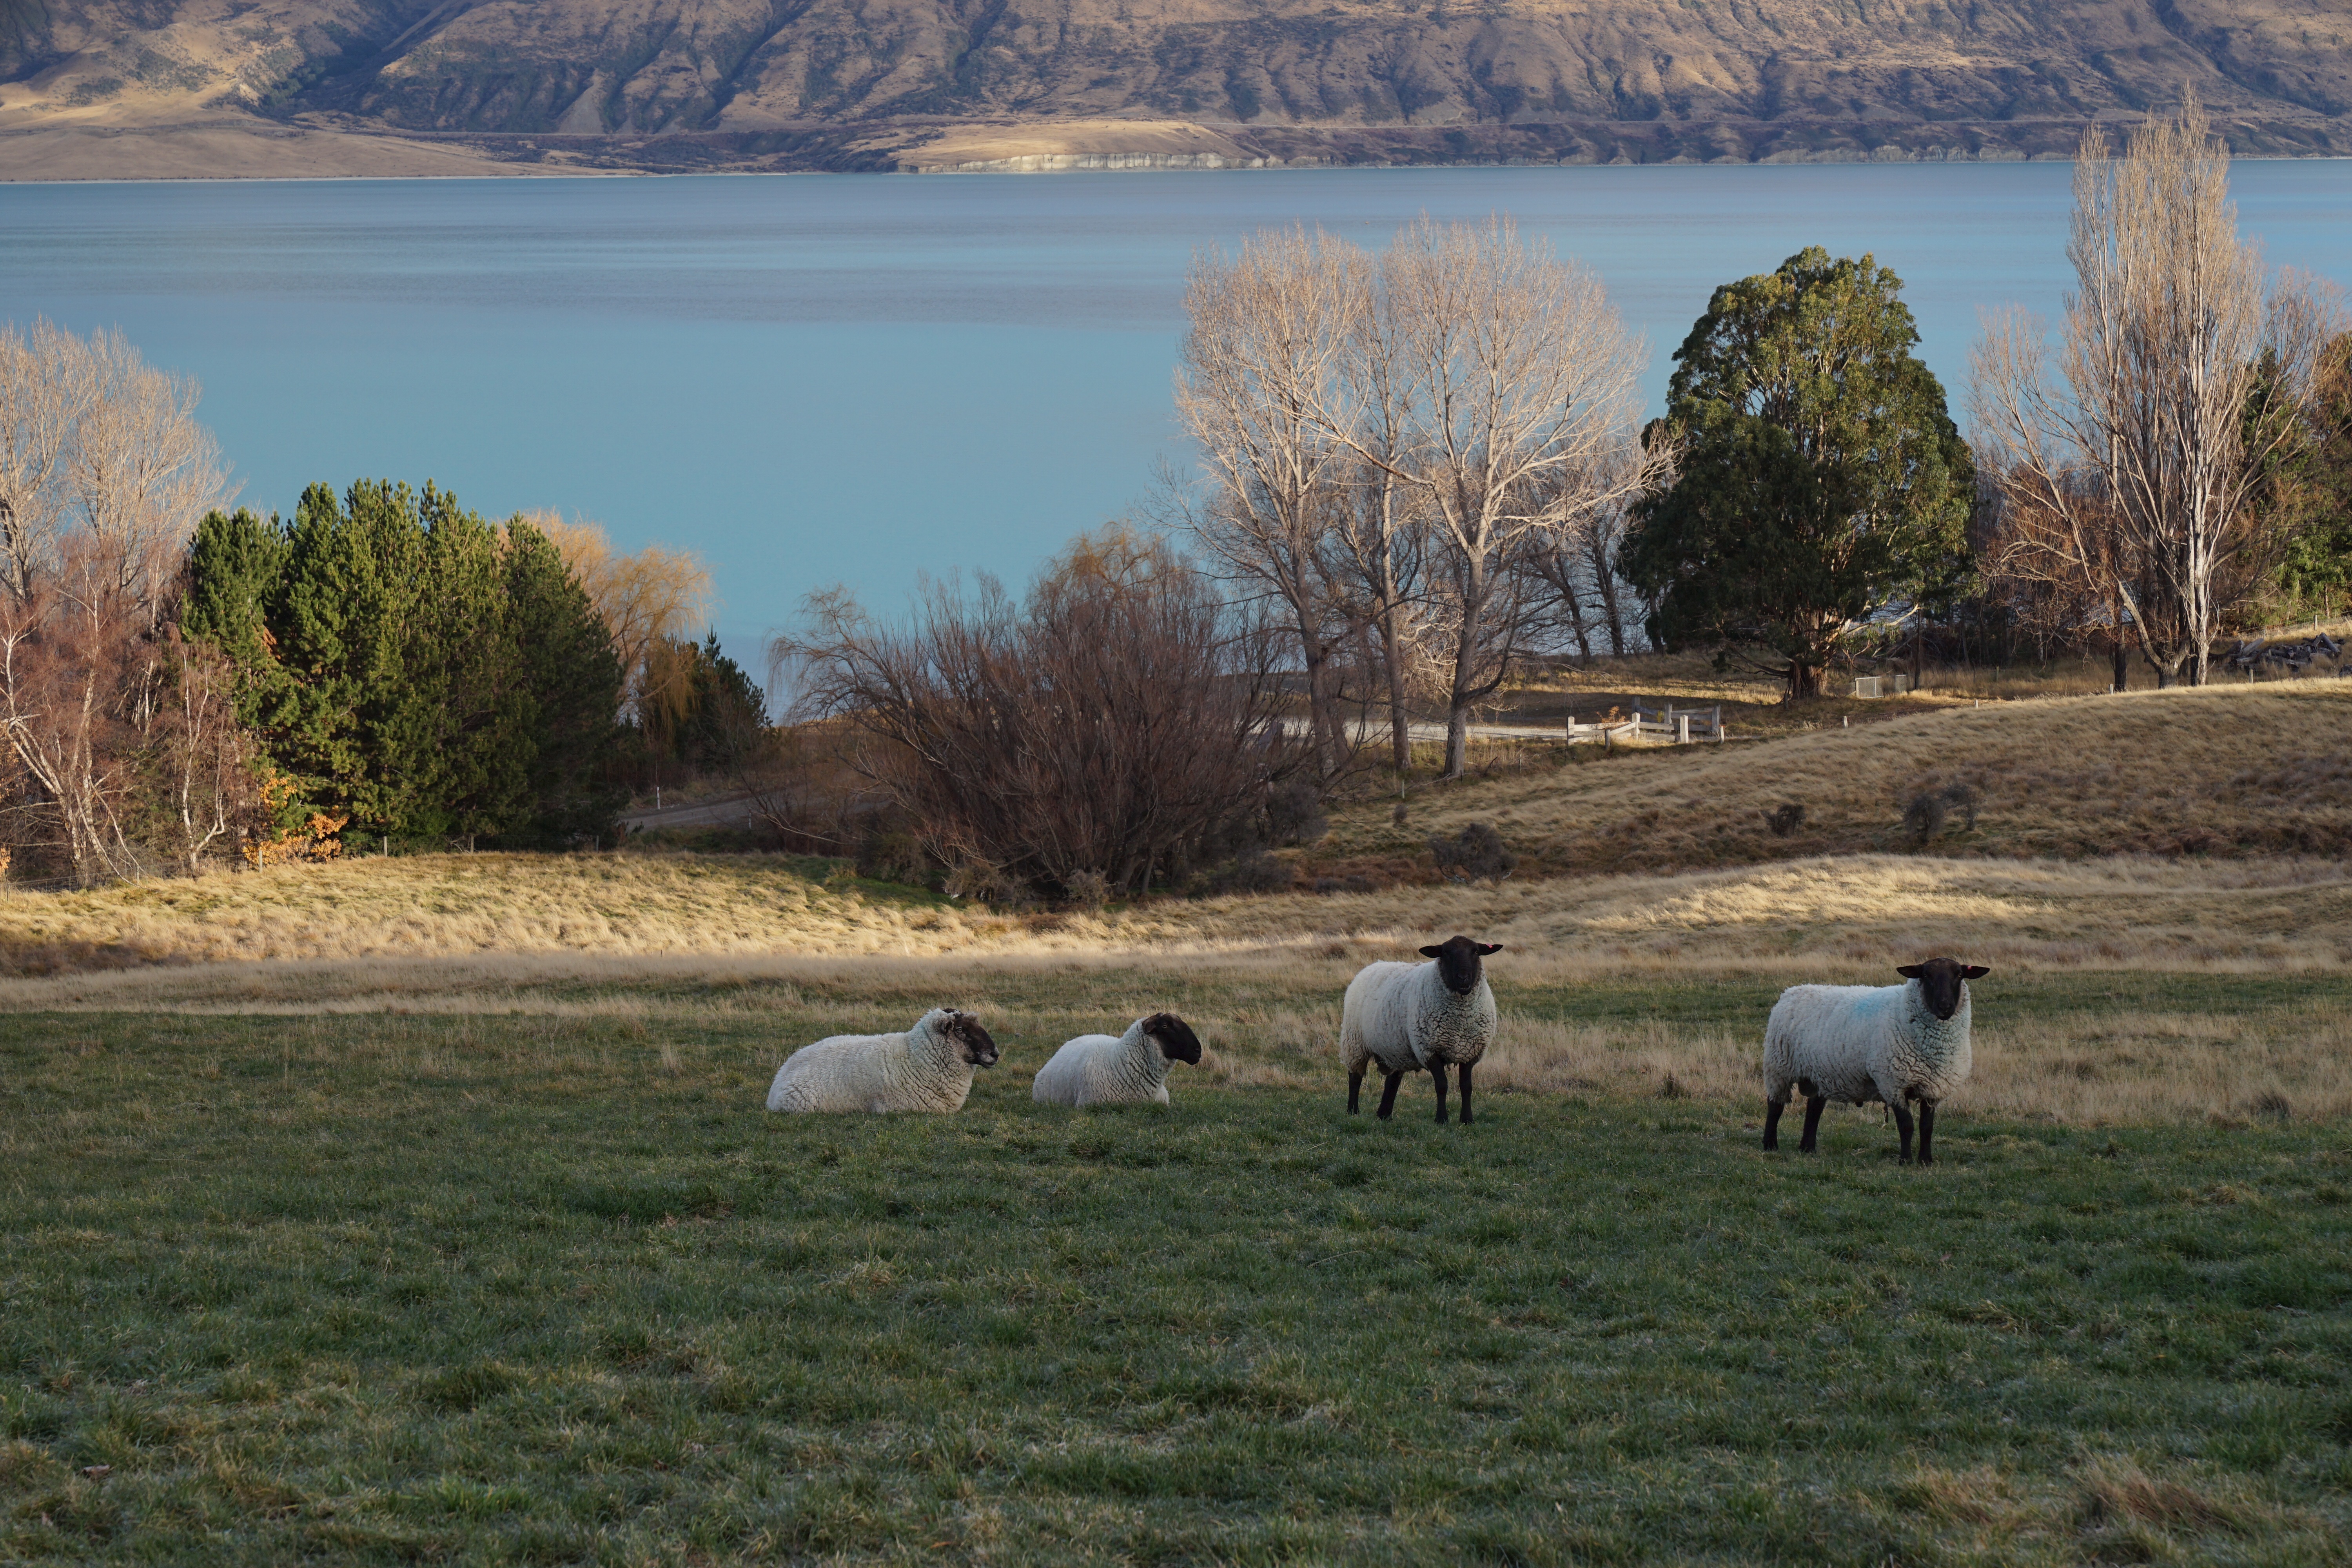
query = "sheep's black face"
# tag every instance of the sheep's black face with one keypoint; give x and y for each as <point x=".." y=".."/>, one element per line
<point x="972" y="1039"/>
<point x="1941" y="982"/>
<point x="1458" y="963"/>
<point x="1177" y="1041"/>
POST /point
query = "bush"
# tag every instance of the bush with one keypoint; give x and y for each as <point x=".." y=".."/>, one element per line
<point x="1786" y="821"/>
<point x="1294" y="814"/>
<point x="1930" y="811"/>
<point x="1476" y="854"/>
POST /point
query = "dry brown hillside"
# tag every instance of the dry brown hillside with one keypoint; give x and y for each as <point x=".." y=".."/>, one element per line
<point x="945" y="83"/>
<point x="2220" y="771"/>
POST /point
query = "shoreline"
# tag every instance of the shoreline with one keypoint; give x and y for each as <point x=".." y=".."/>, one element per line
<point x="259" y="150"/>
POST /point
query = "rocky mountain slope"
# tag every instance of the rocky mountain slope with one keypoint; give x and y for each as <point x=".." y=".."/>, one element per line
<point x="876" y="82"/>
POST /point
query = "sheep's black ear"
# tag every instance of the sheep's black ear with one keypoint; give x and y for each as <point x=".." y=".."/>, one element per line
<point x="1486" y="947"/>
<point x="1974" y="972"/>
<point x="1433" y="952"/>
<point x="1908" y="971"/>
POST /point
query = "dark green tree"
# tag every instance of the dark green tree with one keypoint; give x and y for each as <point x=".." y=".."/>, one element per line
<point x="456" y="745"/>
<point x="237" y="568"/>
<point x="567" y="663"/>
<point x="1821" y="483"/>
<point x="418" y="671"/>
<point x="726" y="723"/>
<point x="2311" y="487"/>
<point x="349" y="598"/>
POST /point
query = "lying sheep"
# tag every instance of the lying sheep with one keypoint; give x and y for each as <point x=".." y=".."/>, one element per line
<point x="928" y="1068"/>
<point x="1860" y="1043"/>
<point x="1412" y="1018"/>
<point x="1117" y="1070"/>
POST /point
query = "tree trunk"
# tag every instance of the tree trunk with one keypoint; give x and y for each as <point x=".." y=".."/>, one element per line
<point x="1804" y="681"/>
<point x="1465" y="668"/>
<point x="2121" y="654"/>
<point x="1605" y="580"/>
<point x="1399" y="726"/>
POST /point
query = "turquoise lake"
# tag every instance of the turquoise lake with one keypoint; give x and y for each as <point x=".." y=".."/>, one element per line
<point x="842" y="378"/>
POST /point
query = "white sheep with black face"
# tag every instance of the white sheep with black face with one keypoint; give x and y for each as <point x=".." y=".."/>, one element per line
<point x="1894" y="1044"/>
<point x="1418" y="1018"/>
<point x="927" y="1067"/>
<point x="1117" y="1070"/>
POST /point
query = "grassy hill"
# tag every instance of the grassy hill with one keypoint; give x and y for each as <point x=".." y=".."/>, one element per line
<point x="833" y="83"/>
<point x="2223" y="769"/>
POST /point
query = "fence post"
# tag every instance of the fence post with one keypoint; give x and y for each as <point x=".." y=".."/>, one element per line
<point x="1682" y="731"/>
<point x="1718" y="724"/>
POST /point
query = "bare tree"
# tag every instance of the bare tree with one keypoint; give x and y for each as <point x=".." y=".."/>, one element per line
<point x="1269" y="332"/>
<point x="46" y="385"/>
<point x="2138" y="473"/>
<point x="110" y="472"/>
<point x="1107" y="728"/>
<point x="1577" y="565"/>
<point x="1522" y="386"/>
<point x="208" y="764"/>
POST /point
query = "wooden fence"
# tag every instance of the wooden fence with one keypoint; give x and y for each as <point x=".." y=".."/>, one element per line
<point x="1675" y="726"/>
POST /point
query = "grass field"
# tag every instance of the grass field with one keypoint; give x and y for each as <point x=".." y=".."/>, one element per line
<point x="422" y="1209"/>
<point x="547" y="1286"/>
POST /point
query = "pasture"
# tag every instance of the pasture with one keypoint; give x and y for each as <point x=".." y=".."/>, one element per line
<point x="520" y="1272"/>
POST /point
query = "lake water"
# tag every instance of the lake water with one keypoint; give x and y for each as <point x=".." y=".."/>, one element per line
<point x="847" y="378"/>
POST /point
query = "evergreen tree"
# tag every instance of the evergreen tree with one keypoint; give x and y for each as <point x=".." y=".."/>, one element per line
<point x="236" y="569"/>
<point x="728" y="720"/>
<point x="1822" y="479"/>
<point x="566" y="662"/>
<point x="416" y="669"/>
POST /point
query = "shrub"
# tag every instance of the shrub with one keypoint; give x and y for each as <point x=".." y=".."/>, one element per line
<point x="1786" y="821"/>
<point x="1294" y="813"/>
<point x="1476" y="854"/>
<point x="1924" y="817"/>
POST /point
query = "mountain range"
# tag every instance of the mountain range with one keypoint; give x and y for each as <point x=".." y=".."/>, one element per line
<point x="573" y="85"/>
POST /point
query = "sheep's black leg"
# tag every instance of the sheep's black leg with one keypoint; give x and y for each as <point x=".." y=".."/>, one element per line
<point x="1355" y="1088"/>
<point x="1465" y="1094"/>
<point x="1814" y="1105"/>
<point x="1388" y="1094"/>
<point x="1903" y="1130"/>
<point x="1438" y="1073"/>
<point x="1772" y="1109"/>
<point x="1926" y="1132"/>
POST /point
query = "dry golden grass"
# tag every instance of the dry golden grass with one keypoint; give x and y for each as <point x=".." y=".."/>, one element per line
<point x="2228" y="770"/>
<point x="1820" y="917"/>
<point x="1639" y="986"/>
<point x="2126" y="988"/>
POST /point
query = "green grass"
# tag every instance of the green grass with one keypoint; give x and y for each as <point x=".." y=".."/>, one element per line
<point x="492" y="1288"/>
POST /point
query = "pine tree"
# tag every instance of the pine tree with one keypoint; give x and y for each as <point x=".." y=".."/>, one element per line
<point x="236" y="569"/>
<point x="566" y="662"/>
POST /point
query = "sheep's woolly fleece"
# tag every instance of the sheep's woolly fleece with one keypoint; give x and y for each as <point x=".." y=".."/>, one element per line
<point x="1403" y="1016"/>
<point x="922" y="1069"/>
<point x="1106" y="1070"/>
<point x="1860" y="1043"/>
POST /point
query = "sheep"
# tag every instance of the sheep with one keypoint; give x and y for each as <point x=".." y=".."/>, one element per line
<point x="1418" y="1018"/>
<point x="1860" y="1043"/>
<point x="927" y="1067"/>
<point x="1117" y="1070"/>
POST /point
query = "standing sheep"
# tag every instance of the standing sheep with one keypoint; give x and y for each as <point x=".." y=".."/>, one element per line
<point x="1117" y="1070"/>
<point x="1412" y="1018"/>
<point x="928" y="1068"/>
<point x="1860" y="1043"/>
